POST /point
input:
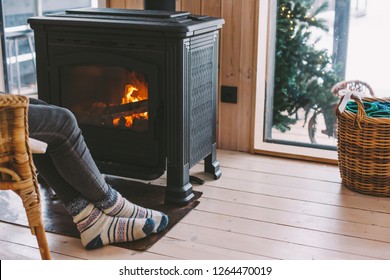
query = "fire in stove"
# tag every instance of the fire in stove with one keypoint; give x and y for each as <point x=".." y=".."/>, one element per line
<point x="127" y="109"/>
<point x="136" y="93"/>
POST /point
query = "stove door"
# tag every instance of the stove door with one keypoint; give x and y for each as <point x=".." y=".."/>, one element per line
<point x="117" y="103"/>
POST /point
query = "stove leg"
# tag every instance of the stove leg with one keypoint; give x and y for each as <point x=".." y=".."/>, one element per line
<point x="179" y="189"/>
<point x="211" y="165"/>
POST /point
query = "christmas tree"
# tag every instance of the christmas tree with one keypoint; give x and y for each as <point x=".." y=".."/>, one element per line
<point x="304" y="74"/>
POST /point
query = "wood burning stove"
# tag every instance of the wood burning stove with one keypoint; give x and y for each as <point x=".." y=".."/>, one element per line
<point x="142" y="85"/>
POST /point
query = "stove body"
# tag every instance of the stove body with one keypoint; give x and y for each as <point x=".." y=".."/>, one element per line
<point x="93" y="61"/>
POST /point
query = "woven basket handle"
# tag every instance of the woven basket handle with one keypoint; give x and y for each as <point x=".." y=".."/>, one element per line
<point x="361" y="113"/>
<point x="356" y="94"/>
<point x="354" y="85"/>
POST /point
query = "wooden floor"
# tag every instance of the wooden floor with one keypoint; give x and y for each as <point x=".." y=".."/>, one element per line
<point x="261" y="208"/>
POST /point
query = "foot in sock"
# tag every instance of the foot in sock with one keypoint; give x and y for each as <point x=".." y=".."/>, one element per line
<point x="98" y="229"/>
<point x="116" y="205"/>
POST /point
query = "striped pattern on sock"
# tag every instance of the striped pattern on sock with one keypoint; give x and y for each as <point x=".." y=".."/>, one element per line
<point x="116" y="205"/>
<point x="97" y="229"/>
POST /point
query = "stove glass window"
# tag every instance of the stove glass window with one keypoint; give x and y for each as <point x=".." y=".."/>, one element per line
<point x="108" y="96"/>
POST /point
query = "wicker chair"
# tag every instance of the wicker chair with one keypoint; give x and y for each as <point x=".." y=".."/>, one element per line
<point x="17" y="170"/>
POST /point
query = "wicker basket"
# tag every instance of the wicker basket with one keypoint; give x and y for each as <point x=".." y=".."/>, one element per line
<point x="364" y="148"/>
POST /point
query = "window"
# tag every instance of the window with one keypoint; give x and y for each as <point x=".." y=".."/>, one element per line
<point x="18" y="40"/>
<point x="305" y="47"/>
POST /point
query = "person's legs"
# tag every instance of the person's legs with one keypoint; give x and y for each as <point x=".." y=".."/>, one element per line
<point x="67" y="150"/>
<point x="69" y="168"/>
<point x="50" y="175"/>
<point x="96" y="229"/>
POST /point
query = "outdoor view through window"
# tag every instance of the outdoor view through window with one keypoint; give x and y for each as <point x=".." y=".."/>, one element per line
<point x="18" y="40"/>
<point x="317" y="44"/>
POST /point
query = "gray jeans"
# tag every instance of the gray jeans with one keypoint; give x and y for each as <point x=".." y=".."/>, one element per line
<point x="67" y="167"/>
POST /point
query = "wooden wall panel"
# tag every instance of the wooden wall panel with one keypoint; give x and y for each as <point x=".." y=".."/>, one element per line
<point x="193" y="6"/>
<point x="247" y="74"/>
<point x="178" y="5"/>
<point x="211" y="8"/>
<point x="229" y="70"/>
<point x="134" y="4"/>
<point x="116" y="3"/>
<point x="237" y="62"/>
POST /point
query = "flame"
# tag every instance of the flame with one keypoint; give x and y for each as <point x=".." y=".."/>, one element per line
<point x="128" y="95"/>
<point x="134" y="92"/>
<point x="130" y="119"/>
<point x="116" y="121"/>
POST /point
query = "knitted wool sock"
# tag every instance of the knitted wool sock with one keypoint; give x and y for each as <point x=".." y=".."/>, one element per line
<point x="116" y="205"/>
<point x="97" y="229"/>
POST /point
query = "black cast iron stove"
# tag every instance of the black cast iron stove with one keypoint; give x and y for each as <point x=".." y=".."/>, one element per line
<point x="142" y="85"/>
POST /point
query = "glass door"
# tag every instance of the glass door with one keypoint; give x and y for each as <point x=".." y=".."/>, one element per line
<point x="306" y="47"/>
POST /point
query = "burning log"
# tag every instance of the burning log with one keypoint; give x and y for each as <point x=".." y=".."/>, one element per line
<point x="136" y="124"/>
<point x="121" y="116"/>
<point x="128" y="108"/>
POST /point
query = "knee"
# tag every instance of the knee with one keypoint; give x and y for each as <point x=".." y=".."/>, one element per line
<point x="67" y="115"/>
<point x="50" y="123"/>
<point x="67" y="118"/>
